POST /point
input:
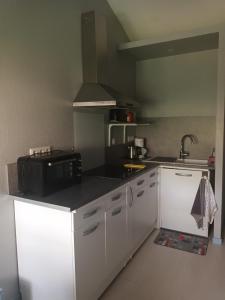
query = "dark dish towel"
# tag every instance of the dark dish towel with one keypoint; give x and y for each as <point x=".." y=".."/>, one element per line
<point x="198" y="208"/>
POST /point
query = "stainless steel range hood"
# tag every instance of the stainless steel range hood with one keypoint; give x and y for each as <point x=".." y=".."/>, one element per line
<point x="95" y="94"/>
<point x="94" y="91"/>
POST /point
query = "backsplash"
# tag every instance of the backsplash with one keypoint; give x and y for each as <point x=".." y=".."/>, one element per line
<point x="164" y="136"/>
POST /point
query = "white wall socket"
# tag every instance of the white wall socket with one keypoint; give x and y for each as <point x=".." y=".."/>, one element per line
<point x="38" y="150"/>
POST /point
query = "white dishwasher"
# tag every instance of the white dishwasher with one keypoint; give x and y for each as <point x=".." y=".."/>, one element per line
<point x="178" y="188"/>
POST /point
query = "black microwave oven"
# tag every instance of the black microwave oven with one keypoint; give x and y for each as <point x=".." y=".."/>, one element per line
<point x="43" y="174"/>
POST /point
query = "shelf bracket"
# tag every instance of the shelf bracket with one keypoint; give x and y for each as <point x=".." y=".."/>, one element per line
<point x="124" y="125"/>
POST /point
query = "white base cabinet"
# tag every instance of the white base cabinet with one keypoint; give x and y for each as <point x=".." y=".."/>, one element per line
<point x="45" y="252"/>
<point x="178" y="188"/>
<point x="75" y="255"/>
<point x="142" y="208"/>
<point x="153" y="205"/>
<point x="90" y="259"/>
<point x="116" y="239"/>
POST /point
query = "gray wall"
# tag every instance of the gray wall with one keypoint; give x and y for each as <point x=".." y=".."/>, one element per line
<point x="180" y="94"/>
<point x="40" y="74"/>
<point x="89" y="132"/>
<point x="181" y="85"/>
<point x="164" y="136"/>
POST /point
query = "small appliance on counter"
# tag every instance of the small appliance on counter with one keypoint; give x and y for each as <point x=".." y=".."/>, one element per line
<point x="141" y="150"/>
<point x="132" y="152"/>
<point x="137" y="150"/>
<point x="46" y="173"/>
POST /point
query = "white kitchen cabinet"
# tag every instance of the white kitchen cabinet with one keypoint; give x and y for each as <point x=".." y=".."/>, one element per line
<point x="142" y="208"/>
<point x="116" y="239"/>
<point x="116" y="232"/>
<point x="153" y="203"/>
<point x="76" y="255"/>
<point x="45" y="252"/>
<point x="90" y="259"/>
<point x="178" y="188"/>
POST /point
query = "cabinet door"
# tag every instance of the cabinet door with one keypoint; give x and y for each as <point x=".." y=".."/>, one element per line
<point x="90" y="260"/>
<point x="116" y="239"/>
<point x="177" y="194"/>
<point x="153" y="204"/>
<point x="141" y="207"/>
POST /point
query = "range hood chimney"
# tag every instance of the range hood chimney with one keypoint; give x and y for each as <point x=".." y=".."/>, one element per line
<point x="94" y="91"/>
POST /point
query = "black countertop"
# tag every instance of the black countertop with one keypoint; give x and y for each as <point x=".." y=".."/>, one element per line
<point x="93" y="187"/>
<point x="76" y="196"/>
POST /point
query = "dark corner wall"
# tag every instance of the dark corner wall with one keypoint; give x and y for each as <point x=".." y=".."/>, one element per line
<point x="89" y="126"/>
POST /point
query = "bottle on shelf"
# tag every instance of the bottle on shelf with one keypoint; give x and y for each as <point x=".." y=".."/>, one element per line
<point x="211" y="158"/>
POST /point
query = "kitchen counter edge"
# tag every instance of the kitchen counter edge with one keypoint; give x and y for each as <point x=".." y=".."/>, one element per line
<point x="91" y="188"/>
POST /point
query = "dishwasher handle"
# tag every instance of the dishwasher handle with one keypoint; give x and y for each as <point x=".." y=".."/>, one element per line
<point x="183" y="174"/>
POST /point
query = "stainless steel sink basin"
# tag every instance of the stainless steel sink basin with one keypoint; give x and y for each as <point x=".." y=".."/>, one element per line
<point x="190" y="161"/>
<point x="178" y="161"/>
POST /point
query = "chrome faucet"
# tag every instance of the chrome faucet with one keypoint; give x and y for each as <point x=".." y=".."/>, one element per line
<point x="194" y="140"/>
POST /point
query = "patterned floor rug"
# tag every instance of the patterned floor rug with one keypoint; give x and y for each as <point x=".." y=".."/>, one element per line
<point x="182" y="241"/>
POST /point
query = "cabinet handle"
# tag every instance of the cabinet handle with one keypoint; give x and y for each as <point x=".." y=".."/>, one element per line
<point x="117" y="197"/>
<point x="152" y="185"/>
<point x="152" y="175"/>
<point x="90" y="230"/>
<point x="90" y="213"/>
<point x="131" y="198"/>
<point x="140" y="182"/>
<point x="117" y="211"/>
<point x="140" y="194"/>
<point x="183" y="174"/>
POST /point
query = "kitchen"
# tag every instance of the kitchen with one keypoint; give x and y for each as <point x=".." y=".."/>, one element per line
<point x="41" y="73"/>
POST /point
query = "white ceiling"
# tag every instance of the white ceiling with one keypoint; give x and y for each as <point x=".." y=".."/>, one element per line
<point x="145" y="19"/>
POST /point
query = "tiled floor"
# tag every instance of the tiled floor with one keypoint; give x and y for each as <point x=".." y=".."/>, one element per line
<point x="161" y="273"/>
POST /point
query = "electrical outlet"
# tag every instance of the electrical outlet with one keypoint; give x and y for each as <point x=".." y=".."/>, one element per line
<point x="130" y="138"/>
<point x="39" y="150"/>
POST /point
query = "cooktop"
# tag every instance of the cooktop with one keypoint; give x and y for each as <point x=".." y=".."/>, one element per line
<point x="163" y="159"/>
<point x="112" y="171"/>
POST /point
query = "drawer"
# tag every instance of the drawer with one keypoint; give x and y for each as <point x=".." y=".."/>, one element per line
<point x="139" y="182"/>
<point x="140" y="193"/>
<point x="152" y="175"/>
<point x="89" y="213"/>
<point x="116" y="197"/>
<point x="153" y="184"/>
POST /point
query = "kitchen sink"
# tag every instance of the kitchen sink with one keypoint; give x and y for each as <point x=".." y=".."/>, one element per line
<point x="177" y="161"/>
<point x="190" y="161"/>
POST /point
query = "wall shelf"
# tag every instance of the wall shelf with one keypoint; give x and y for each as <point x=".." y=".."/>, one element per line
<point x="124" y="126"/>
<point x="172" y="45"/>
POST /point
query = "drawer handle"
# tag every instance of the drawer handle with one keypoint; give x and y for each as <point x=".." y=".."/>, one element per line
<point x="90" y="230"/>
<point x="183" y="174"/>
<point x="117" y="197"/>
<point x="140" y="194"/>
<point x="152" y="185"/>
<point x="90" y="213"/>
<point x="117" y="211"/>
<point x="140" y="182"/>
<point x="131" y="198"/>
<point x="152" y="175"/>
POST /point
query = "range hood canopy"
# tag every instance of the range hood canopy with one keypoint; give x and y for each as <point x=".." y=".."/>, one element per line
<point x="94" y="91"/>
<point x="94" y="94"/>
